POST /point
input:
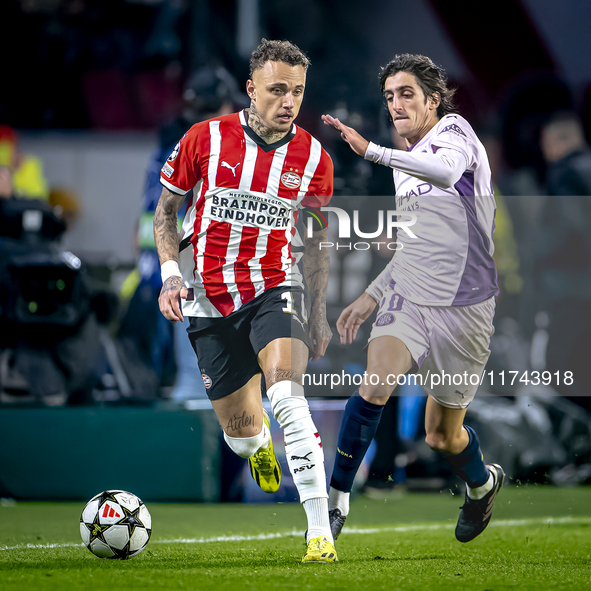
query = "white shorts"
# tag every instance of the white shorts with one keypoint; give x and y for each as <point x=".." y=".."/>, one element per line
<point x="448" y="344"/>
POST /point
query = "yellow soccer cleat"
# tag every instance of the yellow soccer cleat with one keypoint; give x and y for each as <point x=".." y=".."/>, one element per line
<point x="320" y="550"/>
<point x="264" y="466"/>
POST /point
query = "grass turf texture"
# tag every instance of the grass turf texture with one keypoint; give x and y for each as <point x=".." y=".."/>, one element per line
<point x="413" y="547"/>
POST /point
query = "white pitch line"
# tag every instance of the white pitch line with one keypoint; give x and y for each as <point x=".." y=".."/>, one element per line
<point x="40" y="546"/>
<point x="347" y="532"/>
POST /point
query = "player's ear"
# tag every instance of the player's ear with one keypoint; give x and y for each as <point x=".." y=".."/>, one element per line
<point x="434" y="100"/>
<point x="250" y="89"/>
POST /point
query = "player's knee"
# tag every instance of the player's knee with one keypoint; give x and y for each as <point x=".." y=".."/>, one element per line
<point x="378" y="385"/>
<point x="378" y="392"/>
<point x="245" y="447"/>
<point x="440" y="442"/>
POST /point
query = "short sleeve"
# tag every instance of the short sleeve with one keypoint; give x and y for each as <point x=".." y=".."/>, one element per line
<point x="321" y="188"/>
<point x="182" y="170"/>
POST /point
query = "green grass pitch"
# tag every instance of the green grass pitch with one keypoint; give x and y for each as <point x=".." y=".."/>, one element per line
<point x="539" y="538"/>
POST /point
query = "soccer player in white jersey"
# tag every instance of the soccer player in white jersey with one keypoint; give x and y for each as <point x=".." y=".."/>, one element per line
<point x="436" y="297"/>
<point x="234" y="267"/>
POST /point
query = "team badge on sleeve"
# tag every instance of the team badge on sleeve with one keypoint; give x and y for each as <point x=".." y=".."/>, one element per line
<point x="167" y="170"/>
<point x="453" y="128"/>
<point x="174" y="153"/>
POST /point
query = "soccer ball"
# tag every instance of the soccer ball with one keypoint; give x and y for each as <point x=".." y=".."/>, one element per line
<point x="115" y="524"/>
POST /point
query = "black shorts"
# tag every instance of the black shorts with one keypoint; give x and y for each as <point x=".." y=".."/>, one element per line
<point x="227" y="347"/>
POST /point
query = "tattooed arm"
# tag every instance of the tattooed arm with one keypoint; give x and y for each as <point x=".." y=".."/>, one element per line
<point x="166" y="236"/>
<point x="316" y="265"/>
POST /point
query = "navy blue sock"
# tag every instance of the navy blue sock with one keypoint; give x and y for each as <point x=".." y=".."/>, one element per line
<point x="469" y="464"/>
<point x="360" y="423"/>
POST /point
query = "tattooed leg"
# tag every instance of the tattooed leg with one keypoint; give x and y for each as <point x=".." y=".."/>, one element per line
<point x="241" y="417"/>
<point x="284" y="362"/>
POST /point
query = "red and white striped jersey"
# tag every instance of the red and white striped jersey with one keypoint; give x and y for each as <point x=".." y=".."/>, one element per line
<point x="236" y="237"/>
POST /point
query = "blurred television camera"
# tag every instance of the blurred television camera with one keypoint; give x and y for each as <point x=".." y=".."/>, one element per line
<point x="40" y="283"/>
<point x="49" y="311"/>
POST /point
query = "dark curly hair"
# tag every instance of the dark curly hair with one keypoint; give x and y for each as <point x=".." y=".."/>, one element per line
<point x="277" y="51"/>
<point x="431" y="78"/>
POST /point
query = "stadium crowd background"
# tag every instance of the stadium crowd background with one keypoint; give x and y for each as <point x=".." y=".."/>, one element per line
<point x="88" y="84"/>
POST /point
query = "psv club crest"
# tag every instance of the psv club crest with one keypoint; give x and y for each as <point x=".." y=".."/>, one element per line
<point x="291" y="180"/>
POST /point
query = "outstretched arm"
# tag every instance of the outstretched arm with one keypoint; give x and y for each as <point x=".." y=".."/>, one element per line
<point x="357" y="142"/>
<point x="354" y="315"/>
<point x="443" y="169"/>
<point x="166" y="236"/>
<point x="316" y="266"/>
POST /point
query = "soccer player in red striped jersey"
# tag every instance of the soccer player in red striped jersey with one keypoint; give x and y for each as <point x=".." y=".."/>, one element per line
<point x="234" y="268"/>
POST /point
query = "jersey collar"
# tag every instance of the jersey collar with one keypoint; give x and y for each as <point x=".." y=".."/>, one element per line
<point x="262" y="143"/>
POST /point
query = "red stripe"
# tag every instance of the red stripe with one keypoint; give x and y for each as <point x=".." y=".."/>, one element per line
<point x="298" y="153"/>
<point x="262" y="169"/>
<point x="106" y="510"/>
<point x="248" y="247"/>
<point x="233" y="156"/>
<point x="203" y="148"/>
<point x="318" y="437"/>
<point x="321" y="186"/>
<point x="216" y="246"/>
<point x="271" y="262"/>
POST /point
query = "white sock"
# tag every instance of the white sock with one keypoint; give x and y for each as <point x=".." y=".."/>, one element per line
<point x="303" y="448"/>
<point x="318" y="522"/>
<point x="337" y="499"/>
<point x="481" y="491"/>
<point x="266" y="434"/>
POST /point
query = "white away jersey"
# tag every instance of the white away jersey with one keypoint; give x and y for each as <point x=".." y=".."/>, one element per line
<point x="236" y="238"/>
<point x="450" y="263"/>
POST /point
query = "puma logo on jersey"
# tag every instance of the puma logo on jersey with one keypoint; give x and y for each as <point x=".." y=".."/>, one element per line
<point x="232" y="168"/>
<point x="303" y="458"/>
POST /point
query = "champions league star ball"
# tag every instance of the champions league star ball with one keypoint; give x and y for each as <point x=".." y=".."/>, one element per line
<point x="115" y="524"/>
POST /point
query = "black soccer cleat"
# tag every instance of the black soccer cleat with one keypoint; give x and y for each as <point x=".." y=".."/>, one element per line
<point x="336" y="522"/>
<point x="476" y="514"/>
